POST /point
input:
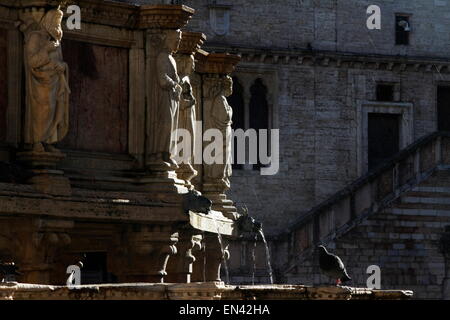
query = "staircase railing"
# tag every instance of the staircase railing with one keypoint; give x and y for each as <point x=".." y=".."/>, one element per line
<point x="368" y="194"/>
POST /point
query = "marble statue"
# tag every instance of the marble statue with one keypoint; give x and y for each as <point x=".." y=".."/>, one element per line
<point x="164" y="101"/>
<point x="187" y="116"/>
<point x="47" y="89"/>
<point x="220" y="117"/>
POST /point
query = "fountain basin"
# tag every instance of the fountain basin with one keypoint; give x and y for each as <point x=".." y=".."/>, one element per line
<point x="193" y="291"/>
<point x="213" y="222"/>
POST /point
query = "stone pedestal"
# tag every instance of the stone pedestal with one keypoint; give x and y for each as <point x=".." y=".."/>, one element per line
<point x="160" y="178"/>
<point x="44" y="172"/>
<point x="215" y="191"/>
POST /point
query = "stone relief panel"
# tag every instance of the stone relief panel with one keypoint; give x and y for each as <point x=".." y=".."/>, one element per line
<point x="99" y="84"/>
<point x="3" y="84"/>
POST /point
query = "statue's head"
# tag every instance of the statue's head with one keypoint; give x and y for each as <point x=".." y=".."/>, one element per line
<point x="51" y="22"/>
<point x="173" y="39"/>
<point x="186" y="64"/>
<point x="228" y="86"/>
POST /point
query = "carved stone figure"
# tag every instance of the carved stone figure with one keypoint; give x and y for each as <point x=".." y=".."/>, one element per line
<point x="164" y="101"/>
<point x="219" y="116"/>
<point x="47" y="89"/>
<point x="187" y="115"/>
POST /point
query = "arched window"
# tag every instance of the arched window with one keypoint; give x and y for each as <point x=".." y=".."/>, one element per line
<point x="259" y="111"/>
<point x="236" y="101"/>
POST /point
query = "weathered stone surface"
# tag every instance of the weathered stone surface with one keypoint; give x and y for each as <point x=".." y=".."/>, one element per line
<point x="99" y="97"/>
<point x="194" y="291"/>
<point x="3" y="84"/>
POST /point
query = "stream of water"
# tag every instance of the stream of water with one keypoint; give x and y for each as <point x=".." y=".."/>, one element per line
<point x="254" y="258"/>
<point x="204" y="255"/>
<point x="269" y="265"/>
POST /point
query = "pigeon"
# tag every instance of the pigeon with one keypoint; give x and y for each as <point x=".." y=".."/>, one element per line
<point x="332" y="266"/>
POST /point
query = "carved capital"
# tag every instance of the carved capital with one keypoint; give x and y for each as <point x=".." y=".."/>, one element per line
<point x="191" y="42"/>
<point x="164" y="16"/>
<point x="216" y="63"/>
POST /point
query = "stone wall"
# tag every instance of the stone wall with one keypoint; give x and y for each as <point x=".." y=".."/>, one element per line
<point x="99" y="97"/>
<point x="319" y="142"/>
<point x="329" y="25"/>
<point x="316" y="107"/>
<point x="405" y="248"/>
<point x="3" y="84"/>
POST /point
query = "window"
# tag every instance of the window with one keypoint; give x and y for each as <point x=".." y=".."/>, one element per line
<point x="251" y="110"/>
<point x="384" y="137"/>
<point x="385" y="92"/>
<point x="402" y="29"/>
<point x="94" y="269"/>
<point x="259" y="111"/>
<point x="443" y="108"/>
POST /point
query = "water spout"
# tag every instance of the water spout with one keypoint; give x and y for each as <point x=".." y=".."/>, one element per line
<point x="247" y="224"/>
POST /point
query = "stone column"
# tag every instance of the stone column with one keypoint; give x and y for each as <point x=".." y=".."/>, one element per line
<point x="146" y="252"/>
<point x="217" y="119"/>
<point x="162" y="24"/>
<point x="209" y="261"/>
<point x="46" y="120"/>
<point x="180" y="267"/>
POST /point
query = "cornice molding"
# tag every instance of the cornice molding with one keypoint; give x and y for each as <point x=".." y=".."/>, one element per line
<point x="118" y="14"/>
<point x="336" y="59"/>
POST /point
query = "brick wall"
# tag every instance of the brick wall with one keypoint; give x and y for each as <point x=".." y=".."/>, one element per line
<point x="406" y="250"/>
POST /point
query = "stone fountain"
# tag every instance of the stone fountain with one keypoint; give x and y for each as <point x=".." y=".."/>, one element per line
<point x="147" y="218"/>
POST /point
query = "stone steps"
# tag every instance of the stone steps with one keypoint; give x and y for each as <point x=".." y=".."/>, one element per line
<point x="436" y="190"/>
<point x="429" y="199"/>
<point x="423" y="205"/>
<point x="420" y="212"/>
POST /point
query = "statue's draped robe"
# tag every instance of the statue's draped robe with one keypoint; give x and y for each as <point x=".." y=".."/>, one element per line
<point x="163" y="114"/>
<point x="220" y="116"/>
<point x="187" y="116"/>
<point x="47" y="106"/>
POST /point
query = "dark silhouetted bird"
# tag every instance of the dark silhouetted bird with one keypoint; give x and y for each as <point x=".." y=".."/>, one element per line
<point x="332" y="266"/>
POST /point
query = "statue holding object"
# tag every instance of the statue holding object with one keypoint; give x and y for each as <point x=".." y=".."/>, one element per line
<point x="165" y="94"/>
<point x="47" y="89"/>
<point x="187" y="117"/>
